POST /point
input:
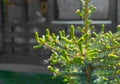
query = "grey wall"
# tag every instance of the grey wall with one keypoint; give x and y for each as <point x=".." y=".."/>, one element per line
<point x="0" y="27"/>
<point x="16" y="11"/>
<point x="16" y="14"/>
<point x="33" y="9"/>
<point x="102" y="9"/>
<point x="119" y="11"/>
<point x="66" y="10"/>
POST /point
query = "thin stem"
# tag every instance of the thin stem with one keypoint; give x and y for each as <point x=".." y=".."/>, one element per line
<point x="88" y="73"/>
<point x="86" y="17"/>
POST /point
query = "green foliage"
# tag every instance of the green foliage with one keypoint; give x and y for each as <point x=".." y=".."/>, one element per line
<point x="93" y="58"/>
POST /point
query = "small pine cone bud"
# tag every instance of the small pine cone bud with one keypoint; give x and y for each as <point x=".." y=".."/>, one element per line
<point x="118" y="26"/>
<point x="78" y="11"/>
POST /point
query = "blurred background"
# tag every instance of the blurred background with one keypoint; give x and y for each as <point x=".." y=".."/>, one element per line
<point x="20" y="19"/>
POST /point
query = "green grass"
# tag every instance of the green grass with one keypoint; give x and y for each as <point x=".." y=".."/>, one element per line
<point x="8" y="77"/>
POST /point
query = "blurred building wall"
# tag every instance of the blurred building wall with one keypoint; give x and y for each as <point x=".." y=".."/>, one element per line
<point x="118" y="11"/>
<point x="19" y="11"/>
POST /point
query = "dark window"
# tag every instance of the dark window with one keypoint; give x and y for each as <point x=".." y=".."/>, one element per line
<point x="63" y="11"/>
<point x="15" y="10"/>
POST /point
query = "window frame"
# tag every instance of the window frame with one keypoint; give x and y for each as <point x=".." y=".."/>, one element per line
<point x="112" y="15"/>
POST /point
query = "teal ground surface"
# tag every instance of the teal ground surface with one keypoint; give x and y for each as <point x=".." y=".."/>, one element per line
<point x="8" y="77"/>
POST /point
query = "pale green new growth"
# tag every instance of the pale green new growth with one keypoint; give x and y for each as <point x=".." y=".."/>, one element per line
<point x="93" y="58"/>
